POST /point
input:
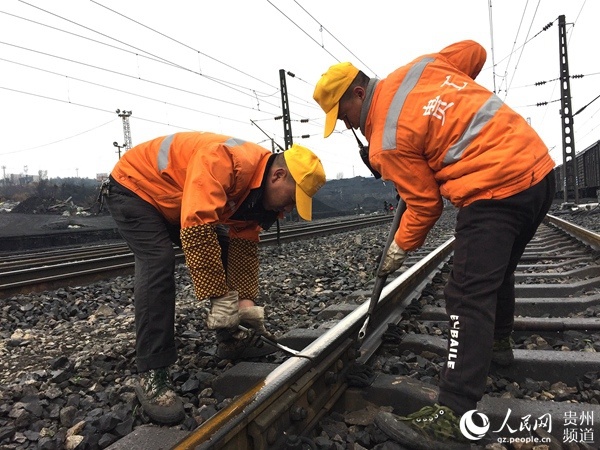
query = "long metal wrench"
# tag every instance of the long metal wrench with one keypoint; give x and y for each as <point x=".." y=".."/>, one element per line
<point x="289" y="350"/>
<point x="380" y="281"/>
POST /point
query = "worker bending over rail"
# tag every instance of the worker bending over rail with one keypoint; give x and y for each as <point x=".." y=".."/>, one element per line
<point x="434" y="132"/>
<point x="211" y="195"/>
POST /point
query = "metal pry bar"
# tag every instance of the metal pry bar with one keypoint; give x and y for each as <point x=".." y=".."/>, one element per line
<point x="380" y="281"/>
<point x="289" y="350"/>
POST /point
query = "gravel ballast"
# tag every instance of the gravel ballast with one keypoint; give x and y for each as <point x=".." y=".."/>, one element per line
<point x="67" y="358"/>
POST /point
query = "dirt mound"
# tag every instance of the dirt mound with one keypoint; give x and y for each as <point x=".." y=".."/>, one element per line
<point x="39" y="205"/>
<point x="32" y="205"/>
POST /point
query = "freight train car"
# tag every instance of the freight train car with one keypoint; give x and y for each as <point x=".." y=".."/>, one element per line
<point x="588" y="173"/>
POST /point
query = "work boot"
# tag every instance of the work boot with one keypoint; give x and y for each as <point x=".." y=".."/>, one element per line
<point x="431" y="428"/>
<point x="502" y="351"/>
<point x="158" y="398"/>
<point x="243" y="346"/>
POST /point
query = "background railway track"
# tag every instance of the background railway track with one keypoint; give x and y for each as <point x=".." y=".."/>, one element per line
<point x="319" y="399"/>
<point x="50" y="269"/>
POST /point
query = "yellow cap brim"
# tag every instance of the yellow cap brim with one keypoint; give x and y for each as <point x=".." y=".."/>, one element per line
<point x="303" y="204"/>
<point x="331" y="119"/>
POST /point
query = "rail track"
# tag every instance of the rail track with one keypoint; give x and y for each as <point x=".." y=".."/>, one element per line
<point x="283" y="406"/>
<point x="336" y="378"/>
<point x="50" y="269"/>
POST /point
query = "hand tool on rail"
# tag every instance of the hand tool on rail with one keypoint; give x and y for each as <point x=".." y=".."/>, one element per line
<point x="289" y="350"/>
<point x="380" y="281"/>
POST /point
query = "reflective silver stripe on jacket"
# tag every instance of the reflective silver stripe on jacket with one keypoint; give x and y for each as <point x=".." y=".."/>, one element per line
<point x="393" y="114"/>
<point x="483" y="116"/>
<point x="163" y="152"/>
<point x="232" y="142"/>
<point x="165" y="147"/>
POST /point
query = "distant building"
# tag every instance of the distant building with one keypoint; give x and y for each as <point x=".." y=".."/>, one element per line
<point x="20" y="179"/>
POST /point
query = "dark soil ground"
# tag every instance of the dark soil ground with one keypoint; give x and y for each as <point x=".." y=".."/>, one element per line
<point x="20" y="224"/>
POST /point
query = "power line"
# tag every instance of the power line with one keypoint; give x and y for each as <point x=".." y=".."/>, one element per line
<point x="301" y="29"/>
<point x="151" y="57"/>
<point x="102" y="110"/>
<point x="123" y="75"/>
<point x="183" y="44"/>
<point x="523" y="47"/>
<point x="336" y="39"/>
<point x="250" y="92"/>
<point x="154" y="57"/>
<point x="57" y="141"/>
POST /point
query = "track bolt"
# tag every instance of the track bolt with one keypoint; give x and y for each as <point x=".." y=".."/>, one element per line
<point x="298" y="413"/>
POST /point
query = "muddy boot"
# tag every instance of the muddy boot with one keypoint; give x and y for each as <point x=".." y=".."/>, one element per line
<point x="431" y="428"/>
<point x="158" y="397"/>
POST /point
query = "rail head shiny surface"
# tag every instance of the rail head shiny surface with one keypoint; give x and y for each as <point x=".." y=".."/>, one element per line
<point x="586" y="236"/>
<point x="248" y="423"/>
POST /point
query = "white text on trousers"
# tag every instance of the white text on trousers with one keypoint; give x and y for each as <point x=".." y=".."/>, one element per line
<point x="453" y="349"/>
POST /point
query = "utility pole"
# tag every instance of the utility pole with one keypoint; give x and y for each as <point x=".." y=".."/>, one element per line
<point x="287" y="123"/>
<point x="126" y="129"/>
<point x="569" y="166"/>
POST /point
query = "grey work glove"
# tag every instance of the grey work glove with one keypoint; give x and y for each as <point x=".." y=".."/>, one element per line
<point x="253" y="317"/>
<point x="393" y="260"/>
<point x="224" y="312"/>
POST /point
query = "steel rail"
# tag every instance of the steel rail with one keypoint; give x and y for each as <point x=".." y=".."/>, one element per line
<point x="263" y="417"/>
<point x="56" y="271"/>
<point x="21" y="261"/>
<point x="294" y="396"/>
<point x="588" y="237"/>
<point x="49" y="256"/>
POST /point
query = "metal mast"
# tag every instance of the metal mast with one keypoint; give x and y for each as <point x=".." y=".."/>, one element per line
<point x="287" y="125"/>
<point x="126" y="129"/>
<point x="566" y="114"/>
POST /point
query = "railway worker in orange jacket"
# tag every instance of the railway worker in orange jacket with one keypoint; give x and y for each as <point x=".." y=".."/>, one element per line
<point x="435" y="132"/>
<point x="181" y="188"/>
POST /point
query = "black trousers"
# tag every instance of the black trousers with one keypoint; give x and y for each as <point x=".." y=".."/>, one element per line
<point x="491" y="236"/>
<point x="151" y="237"/>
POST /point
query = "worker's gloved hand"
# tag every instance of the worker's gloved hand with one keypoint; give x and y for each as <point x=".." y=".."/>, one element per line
<point x="253" y="318"/>
<point x="393" y="260"/>
<point x="224" y="312"/>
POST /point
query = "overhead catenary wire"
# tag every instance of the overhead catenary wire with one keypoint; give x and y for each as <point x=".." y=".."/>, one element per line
<point x="491" y="24"/>
<point x="509" y="84"/>
<point x="301" y="29"/>
<point x="336" y="39"/>
<point x="522" y="47"/>
<point x="137" y="117"/>
<point x="255" y="94"/>
<point x="229" y="66"/>
<point x="145" y="53"/>
<point x="126" y="75"/>
<point x="156" y="57"/>
<point x="252" y="92"/>
<point x="59" y="140"/>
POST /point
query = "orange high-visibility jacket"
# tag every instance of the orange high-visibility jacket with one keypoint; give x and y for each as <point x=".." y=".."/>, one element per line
<point x="196" y="178"/>
<point x="435" y="132"/>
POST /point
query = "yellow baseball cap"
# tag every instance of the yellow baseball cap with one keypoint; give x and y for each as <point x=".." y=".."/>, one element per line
<point x="308" y="173"/>
<point x="329" y="91"/>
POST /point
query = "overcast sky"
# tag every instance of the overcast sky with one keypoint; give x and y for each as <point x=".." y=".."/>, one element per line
<point x="68" y="65"/>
